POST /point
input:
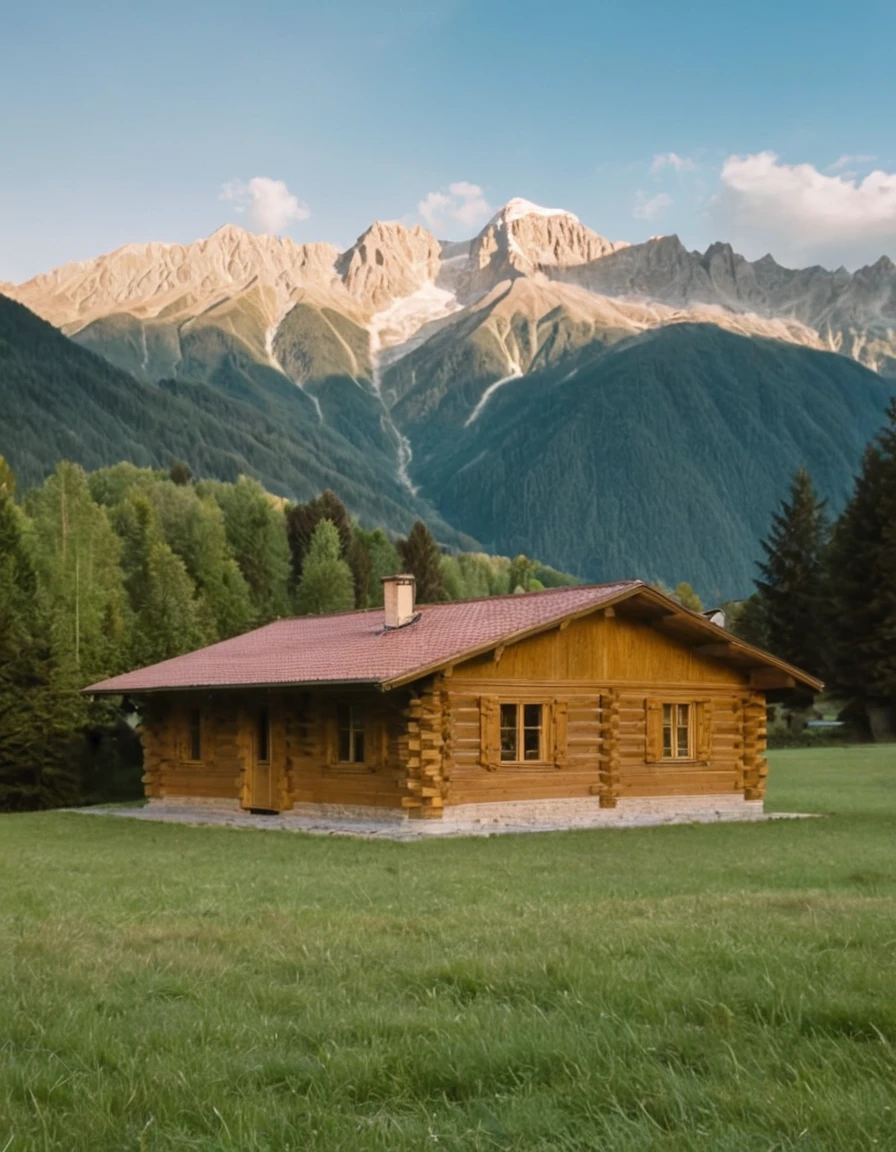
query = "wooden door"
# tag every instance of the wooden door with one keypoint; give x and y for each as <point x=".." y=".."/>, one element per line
<point x="263" y="791"/>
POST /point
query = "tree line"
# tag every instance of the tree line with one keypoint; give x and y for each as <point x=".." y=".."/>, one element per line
<point x="110" y="570"/>
<point x="825" y="596"/>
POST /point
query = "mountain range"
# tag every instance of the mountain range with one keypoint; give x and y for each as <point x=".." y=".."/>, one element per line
<point x="617" y="409"/>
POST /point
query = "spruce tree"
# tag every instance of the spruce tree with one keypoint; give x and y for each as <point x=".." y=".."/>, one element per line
<point x="192" y="525"/>
<point x="171" y="621"/>
<point x="76" y="555"/>
<point x="168" y="617"/>
<point x="301" y="521"/>
<point x="792" y="586"/>
<point x="326" y="584"/>
<point x="420" y="556"/>
<point x="255" y="525"/>
<point x="38" y="730"/>
<point x="863" y="580"/>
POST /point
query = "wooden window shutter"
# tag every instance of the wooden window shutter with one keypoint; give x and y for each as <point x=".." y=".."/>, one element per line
<point x="654" y="730"/>
<point x="703" y="710"/>
<point x="559" y="717"/>
<point x="489" y="732"/>
<point x="381" y="738"/>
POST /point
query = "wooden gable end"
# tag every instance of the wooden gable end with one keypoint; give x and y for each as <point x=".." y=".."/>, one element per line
<point x="603" y="649"/>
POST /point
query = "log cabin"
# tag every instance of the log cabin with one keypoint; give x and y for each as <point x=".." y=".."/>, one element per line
<point x="571" y="707"/>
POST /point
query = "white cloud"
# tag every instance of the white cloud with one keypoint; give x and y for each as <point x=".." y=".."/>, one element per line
<point x="801" y="214"/>
<point x="270" y="205"/>
<point x="671" y="160"/>
<point x="463" y="206"/>
<point x="850" y="160"/>
<point x="650" y="208"/>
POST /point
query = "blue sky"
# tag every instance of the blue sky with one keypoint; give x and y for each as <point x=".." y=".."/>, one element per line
<point x="767" y="124"/>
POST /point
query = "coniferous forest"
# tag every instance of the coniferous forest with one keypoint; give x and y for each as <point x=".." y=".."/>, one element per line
<point x="825" y="596"/>
<point x="126" y="566"/>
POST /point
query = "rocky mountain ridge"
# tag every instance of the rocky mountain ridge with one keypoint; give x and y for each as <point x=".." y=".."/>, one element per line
<point x="396" y="280"/>
<point x="417" y="358"/>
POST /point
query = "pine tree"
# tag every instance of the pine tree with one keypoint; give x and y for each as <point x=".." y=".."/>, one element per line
<point x="171" y="621"/>
<point x="37" y="728"/>
<point x="747" y="620"/>
<point x="301" y="521"/>
<point x="168" y="617"/>
<point x="863" y="568"/>
<point x="420" y="556"/>
<point x="793" y="583"/>
<point x="76" y="556"/>
<point x="326" y="584"/>
<point x="256" y="533"/>
<point x="192" y="525"/>
<point x="180" y="473"/>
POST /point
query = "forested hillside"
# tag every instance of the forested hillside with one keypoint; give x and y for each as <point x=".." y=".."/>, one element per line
<point x="105" y="571"/>
<point x="59" y="401"/>
<point x="661" y="458"/>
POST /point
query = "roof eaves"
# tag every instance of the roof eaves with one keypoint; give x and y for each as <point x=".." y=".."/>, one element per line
<point x="98" y="689"/>
<point x="735" y="641"/>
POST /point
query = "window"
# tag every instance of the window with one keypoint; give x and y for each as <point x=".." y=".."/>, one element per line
<point x="195" y="734"/>
<point x="263" y="736"/>
<point x="350" y="728"/>
<point x="677" y="732"/>
<point x="521" y="732"/>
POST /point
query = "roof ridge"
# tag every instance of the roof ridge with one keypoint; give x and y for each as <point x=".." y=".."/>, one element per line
<point x="452" y="603"/>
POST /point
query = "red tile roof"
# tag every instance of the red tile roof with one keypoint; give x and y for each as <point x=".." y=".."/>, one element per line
<point x="354" y="647"/>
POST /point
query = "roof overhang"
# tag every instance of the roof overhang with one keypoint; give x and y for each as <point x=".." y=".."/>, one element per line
<point x="98" y="690"/>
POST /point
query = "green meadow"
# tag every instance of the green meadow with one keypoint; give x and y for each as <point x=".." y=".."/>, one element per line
<point x="722" y="987"/>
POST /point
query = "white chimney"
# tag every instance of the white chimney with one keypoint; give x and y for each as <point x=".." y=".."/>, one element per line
<point x="398" y="600"/>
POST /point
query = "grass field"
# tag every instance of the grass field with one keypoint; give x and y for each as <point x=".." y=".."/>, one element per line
<point x="719" y="987"/>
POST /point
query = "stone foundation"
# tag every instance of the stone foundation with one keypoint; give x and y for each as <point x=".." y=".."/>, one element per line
<point x="212" y="803"/>
<point x="463" y="819"/>
<point x="559" y="815"/>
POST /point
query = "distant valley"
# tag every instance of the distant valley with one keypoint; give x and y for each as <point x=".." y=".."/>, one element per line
<point x="616" y="409"/>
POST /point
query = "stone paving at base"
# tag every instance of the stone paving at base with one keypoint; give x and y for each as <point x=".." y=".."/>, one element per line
<point x="400" y="829"/>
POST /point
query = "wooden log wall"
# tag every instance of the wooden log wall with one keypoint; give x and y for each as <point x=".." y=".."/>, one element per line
<point x="168" y="770"/>
<point x="608" y="679"/>
<point x="427" y="774"/>
<point x="312" y="772"/>
<point x="602" y="682"/>
<point x="755" y="766"/>
<point x="607" y="752"/>
<point x="572" y="740"/>
<point x="303" y="754"/>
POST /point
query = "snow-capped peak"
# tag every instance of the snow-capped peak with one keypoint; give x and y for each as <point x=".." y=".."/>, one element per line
<point x="517" y="208"/>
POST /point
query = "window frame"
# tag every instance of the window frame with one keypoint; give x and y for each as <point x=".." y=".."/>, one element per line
<point x="674" y="727"/>
<point x="521" y="728"/>
<point x="358" y="728"/>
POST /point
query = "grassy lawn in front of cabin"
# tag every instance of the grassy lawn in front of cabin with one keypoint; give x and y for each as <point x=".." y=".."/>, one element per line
<point x="723" y="987"/>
